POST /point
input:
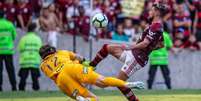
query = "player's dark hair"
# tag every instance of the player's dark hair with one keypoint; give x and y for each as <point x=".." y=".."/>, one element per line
<point x="1" y="13"/>
<point x="32" y="27"/>
<point x="163" y="9"/>
<point x="46" y="50"/>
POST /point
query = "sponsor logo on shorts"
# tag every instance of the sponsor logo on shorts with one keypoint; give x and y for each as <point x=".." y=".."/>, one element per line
<point x="85" y="70"/>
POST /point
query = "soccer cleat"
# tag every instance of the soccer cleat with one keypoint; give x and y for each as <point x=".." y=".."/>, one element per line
<point x="136" y="85"/>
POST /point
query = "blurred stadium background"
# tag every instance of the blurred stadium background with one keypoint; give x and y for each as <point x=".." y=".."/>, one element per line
<point x="74" y="32"/>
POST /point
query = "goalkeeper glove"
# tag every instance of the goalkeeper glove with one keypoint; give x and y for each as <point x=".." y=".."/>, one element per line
<point x="87" y="64"/>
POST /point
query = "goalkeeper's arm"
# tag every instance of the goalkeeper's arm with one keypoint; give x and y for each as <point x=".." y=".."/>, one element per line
<point x="79" y="58"/>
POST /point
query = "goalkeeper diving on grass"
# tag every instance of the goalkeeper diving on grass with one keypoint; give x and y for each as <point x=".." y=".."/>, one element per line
<point x="66" y="70"/>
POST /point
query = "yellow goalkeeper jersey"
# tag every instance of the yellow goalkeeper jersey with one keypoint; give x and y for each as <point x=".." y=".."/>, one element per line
<point x="54" y="63"/>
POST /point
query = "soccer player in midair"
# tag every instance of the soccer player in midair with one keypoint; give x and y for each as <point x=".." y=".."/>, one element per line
<point x="135" y="56"/>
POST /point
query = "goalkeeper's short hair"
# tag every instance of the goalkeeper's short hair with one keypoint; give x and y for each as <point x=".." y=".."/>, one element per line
<point x="46" y="50"/>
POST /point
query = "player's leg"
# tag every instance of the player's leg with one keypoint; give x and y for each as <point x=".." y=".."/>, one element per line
<point x="23" y="74"/>
<point x="152" y="73"/>
<point x="166" y="74"/>
<point x="91" y="77"/>
<point x="109" y="81"/>
<point x="35" y="74"/>
<point x="112" y="49"/>
<point x="129" y="68"/>
<point x="88" y="76"/>
<point x="1" y="71"/>
<point x="73" y="89"/>
<point x="11" y="71"/>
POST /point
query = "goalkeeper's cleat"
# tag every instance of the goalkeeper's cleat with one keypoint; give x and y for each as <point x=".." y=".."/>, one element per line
<point x="136" y="85"/>
<point x="80" y="98"/>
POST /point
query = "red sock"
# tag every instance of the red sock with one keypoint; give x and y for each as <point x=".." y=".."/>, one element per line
<point x="128" y="93"/>
<point x="100" y="55"/>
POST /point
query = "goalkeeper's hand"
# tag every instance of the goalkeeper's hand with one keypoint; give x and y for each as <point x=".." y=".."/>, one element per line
<point x="87" y="64"/>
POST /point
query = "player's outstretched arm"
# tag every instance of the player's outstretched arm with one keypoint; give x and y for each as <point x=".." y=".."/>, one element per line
<point x="79" y="58"/>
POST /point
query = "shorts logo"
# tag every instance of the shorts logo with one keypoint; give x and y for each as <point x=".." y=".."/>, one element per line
<point x="85" y="70"/>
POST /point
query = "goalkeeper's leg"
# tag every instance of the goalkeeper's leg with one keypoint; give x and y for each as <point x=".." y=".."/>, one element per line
<point x="114" y="82"/>
<point x="91" y="77"/>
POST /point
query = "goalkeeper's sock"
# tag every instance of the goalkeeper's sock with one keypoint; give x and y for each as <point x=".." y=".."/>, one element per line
<point x="113" y="82"/>
<point x="100" y="55"/>
<point x="128" y="93"/>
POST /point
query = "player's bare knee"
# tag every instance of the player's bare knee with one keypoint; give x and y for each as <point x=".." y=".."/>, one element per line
<point x="108" y="47"/>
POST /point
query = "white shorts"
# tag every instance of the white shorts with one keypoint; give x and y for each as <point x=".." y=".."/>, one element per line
<point x="130" y="64"/>
<point x="52" y="38"/>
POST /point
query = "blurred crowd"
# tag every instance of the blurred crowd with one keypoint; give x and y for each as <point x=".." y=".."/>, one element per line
<point x="52" y="17"/>
<point x="182" y="22"/>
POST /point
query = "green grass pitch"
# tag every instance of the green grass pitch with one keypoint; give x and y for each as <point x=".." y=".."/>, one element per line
<point x="144" y="95"/>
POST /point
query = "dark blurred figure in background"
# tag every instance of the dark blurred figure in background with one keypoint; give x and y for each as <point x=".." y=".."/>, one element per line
<point x="129" y="29"/>
<point x="191" y="44"/>
<point x="37" y="5"/>
<point x="7" y="37"/>
<point x="62" y="6"/>
<point x="159" y="58"/>
<point x="182" y="20"/>
<point x="1" y="4"/>
<point x="24" y="14"/>
<point x="50" y="24"/>
<point x="179" y="38"/>
<point x="10" y="10"/>
<point x="71" y="15"/>
<point x="197" y="23"/>
<point x="28" y="47"/>
<point x="83" y="23"/>
<point x="119" y="34"/>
